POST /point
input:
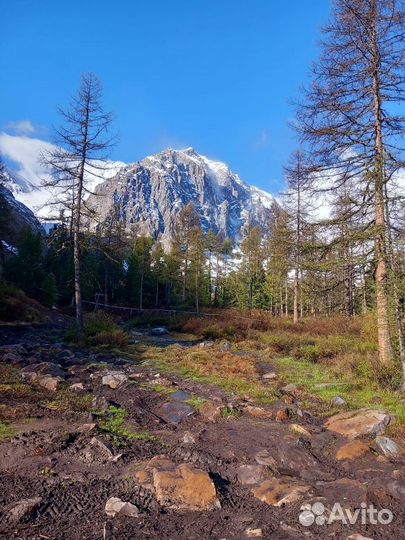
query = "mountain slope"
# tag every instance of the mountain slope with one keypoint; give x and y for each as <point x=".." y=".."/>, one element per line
<point x="150" y="194"/>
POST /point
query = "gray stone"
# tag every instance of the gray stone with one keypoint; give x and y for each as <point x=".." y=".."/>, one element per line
<point x="338" y="401"/>
<point x="116" y="507"/>
<point x="269" y="376"/>
<point x="175" y="412"/>
<point x="114" y="379"/>
<point x="388" y="447"/>
<point x="249" y="475"/>
<point x="159" y="331"/>
<point x="77" y="387"/>
<point x="180" y="395"/>
<point x="289" y="388"/>
<point x="188" y="438"/>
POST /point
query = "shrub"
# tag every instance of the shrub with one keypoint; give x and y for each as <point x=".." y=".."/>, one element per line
<point x="16" y="306"/>
<point x="113" y="338"/>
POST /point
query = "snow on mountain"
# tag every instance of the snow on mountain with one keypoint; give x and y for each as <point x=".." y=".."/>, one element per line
<point x="150" y="195"/>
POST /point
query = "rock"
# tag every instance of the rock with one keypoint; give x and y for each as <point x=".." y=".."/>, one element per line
<point x="208" y="343"/>
<point x="44" y="368"/>
<point x="289" y="388"/>
<point x="48" y="383"/>
<point x="253" y="533"/>
<point x="114" y="379"/>
<point x="175" y="412"/>
<point x="352" y="450"/>
<point x="353" y="424"/>
<point x="11" y="358"/>
<point x="269" y="376"/>
<point x="23" y="508"/>
<point x="389" y="447"/>
<point x="144" y="473"/>
<point x="226" y="346"/>
<point x="264" y="458"/>
<point x="77" y="387"/>
<point x="100" y="403"/>
<point x="96" y="451"/>
<point x="159" y="331"/>
<point x="116" y="507"/>
<point x="249" y="475"/>
<point x="212" y="410"/>
<point x="180" y="395"/>
<point x="185" y="488"/>
<point x="338" y="401"/>
<point x="350" y="493"/>
<point x="86" y="428"/>
<point x="301" y="430"/>
<point x="258" y="412"/>
<point x="188" y="438"/>
<point x="278" y="492"/>
<point x="358" y="536"/>
<point x="282" y="415"/>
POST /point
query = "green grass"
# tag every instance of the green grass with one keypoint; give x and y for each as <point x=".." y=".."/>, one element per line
<point x="114" y="429"/>
<point x="357" y="395"/>
<point x="6" y="432"/>
<point x="195" y="402"/>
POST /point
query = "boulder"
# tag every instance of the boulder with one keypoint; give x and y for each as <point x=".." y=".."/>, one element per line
<point x="116" y="507"/>
<point x="353" y="424"/>
<point x="185" y="488"/>
<point x="389" y="447"/>
<point x="289" y="388"/>
<point x="350" y="493"/>
<point x="48" y="383"/>
<point x="258" y="412"/>
<point x="278" y="492"/>
<point x="249" y="475"/>
<point x="212" y="410"/>
<point x="270" y="376"/>
<point x="96" y="451"/>
<point x="358" y="536"/>
<point x="263" y="457"/>
<point x="175" y="412"/>
<point x="44" y="368"/>
<point x="188" y="438"/>
<point x="282" y="415"/>
<point x="300" y="429"/>
<point x="77" y="387"/>
<point x="352" y="450"/>
<point x="159" y="331"/>
<point x="114" y="379"/>
<point x="338" y="401"/>
<point x="178" y="486"/>
<point x="181" y="395"/>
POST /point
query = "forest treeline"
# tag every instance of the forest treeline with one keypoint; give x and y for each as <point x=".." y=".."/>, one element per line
<point x="336" y="243"/>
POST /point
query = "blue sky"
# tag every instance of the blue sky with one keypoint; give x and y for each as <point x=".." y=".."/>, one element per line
<point x="217" y="75"/>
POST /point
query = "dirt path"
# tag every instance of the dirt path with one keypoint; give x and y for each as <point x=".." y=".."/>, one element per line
<point x="70" y="449"/>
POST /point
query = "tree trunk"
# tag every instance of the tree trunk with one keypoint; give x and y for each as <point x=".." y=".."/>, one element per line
<point x="384" y="338"/>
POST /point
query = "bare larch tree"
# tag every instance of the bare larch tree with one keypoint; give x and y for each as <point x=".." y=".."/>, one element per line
<point x="353" y="122"/>
<point x="79" y="157"/>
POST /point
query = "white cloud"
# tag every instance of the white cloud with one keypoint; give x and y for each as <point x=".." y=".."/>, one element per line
<point x="21" y="127"/>
<point x="25" y="152"/>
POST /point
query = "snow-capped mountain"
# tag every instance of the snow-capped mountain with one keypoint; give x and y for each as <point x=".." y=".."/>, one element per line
<point x="41" y="199"/>
<point x="150" y="194"/>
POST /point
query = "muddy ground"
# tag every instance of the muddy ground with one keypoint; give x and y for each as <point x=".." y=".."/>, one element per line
<point x="62" y="456"/>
